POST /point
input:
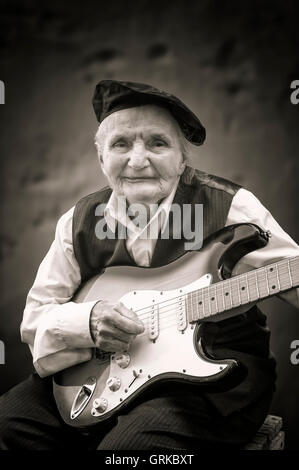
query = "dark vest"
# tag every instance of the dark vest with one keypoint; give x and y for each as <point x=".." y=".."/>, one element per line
<point x="244" y="337"/>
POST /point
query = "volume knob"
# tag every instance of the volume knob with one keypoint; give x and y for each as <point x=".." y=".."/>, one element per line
<point x="122" y="360"/>
<point x="113" y="384"/>
<point x="100" y="404"/>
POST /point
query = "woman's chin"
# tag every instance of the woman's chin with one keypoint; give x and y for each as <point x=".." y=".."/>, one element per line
<point x="146" y="195"/>
<point x="143" y="198"/>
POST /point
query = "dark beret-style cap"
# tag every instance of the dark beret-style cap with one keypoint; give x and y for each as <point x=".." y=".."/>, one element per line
<point x="112" y="95"/>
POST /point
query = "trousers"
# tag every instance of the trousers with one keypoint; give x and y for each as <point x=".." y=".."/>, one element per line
<point x="29" y="420"/>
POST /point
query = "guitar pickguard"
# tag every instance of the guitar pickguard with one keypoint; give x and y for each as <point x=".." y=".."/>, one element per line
<point x="170" y="355"/>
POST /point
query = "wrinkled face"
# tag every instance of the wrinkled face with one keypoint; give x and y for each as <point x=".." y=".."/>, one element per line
<point x="141" y="153"/>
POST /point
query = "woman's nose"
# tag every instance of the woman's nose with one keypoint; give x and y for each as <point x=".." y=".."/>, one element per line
<point x="138" y="158"/>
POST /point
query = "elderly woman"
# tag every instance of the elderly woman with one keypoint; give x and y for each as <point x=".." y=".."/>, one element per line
<point x="142" y="144"/>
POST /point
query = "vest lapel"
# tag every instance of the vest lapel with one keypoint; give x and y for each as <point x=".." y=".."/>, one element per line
<point x="167" y="250"/>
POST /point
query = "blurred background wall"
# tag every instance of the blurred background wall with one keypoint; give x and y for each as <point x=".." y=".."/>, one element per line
<point x="231" y="62"/>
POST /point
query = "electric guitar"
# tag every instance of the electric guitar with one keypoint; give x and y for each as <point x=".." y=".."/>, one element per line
<point x="173" y="302"/>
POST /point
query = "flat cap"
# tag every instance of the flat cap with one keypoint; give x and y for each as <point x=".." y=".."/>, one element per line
<point x="112" y="95"/>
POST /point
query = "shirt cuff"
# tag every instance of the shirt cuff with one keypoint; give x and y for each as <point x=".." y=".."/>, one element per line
<point x="74" y="328"/>
<point x="53" y="363"/>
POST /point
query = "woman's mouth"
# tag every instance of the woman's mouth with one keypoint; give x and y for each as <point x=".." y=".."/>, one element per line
<point x="138" y="179"/>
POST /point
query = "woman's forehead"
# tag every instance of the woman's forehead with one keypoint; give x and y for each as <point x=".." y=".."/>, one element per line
<point x="147" y="116"/>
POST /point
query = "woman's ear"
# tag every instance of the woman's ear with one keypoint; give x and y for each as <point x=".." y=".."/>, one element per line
<point x="182" y="167"/>
<point x="102" y="165"/>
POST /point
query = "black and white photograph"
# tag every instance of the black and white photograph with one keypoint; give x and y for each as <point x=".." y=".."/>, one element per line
<point x="149" y="228"/>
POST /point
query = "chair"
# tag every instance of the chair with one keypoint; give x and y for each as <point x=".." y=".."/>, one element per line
<point x="269" y="437"/>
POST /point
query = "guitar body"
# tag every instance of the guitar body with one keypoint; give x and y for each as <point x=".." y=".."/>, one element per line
<point x="171" y="348"/>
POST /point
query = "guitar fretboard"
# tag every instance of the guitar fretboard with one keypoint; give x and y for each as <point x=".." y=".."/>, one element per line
<point x="243" y="289"/>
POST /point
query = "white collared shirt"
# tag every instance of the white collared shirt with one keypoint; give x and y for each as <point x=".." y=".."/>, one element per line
<point x="57" y="329"/>
<point x="140" y="242"/>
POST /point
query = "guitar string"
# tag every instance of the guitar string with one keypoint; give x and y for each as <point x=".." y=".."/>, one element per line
<point x="173" y="314"/>
<point x="192" y="304"/>
<point x="183" y="297"/>
<point x="170" y="323"/>
<point x="202" y="291"/>
<point x="165" y="311"/>
<point x="233" y="301"/>
<point x="161" y="328"/>
<point x="202" y="294"/>
<point x="229" y="282"/>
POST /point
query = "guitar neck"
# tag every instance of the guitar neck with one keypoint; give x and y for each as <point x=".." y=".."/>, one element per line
<point x="243" y="289"/>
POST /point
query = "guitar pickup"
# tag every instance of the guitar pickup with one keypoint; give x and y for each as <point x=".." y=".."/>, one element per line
<point x="181" y="315"/>
<point x="153" y="330"/>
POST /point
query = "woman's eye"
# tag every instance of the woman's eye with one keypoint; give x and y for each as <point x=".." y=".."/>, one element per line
<point x="158" y="143"/>
<point x="120" y="144"/>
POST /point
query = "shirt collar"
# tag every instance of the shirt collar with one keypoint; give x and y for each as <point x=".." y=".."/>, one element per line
<point x="115" y="211"/>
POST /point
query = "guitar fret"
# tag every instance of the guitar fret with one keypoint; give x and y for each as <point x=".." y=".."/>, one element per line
<point x="195" y="304"/>
<point x="200" y="304"/>
<point x="193" y="294"/>
<point x="198" y="309"/>
<point x="289" y="272"/>
<point x="203" y="304"/>
<point x="212" y="297"/>
<point x="216" y="301"/>
<point x="257" y="286"/>
<point x="277" y="275"/>
<point x="230" y="292"/>
<point x="226" y="295"/>
<point x="243" y="289"/>
<point x="248" y="293"/>
<point x="236" y="301"/>
<point x="238" y="288"/>
<point x="273" y="279"/>
<point x="284" y="275"/>
<point x="262" y="283"/>
<point x="219" y="297"/>
<point x="268" y="288"/>
<point x="222" y="285"/>
<point x="294" y="267"/>
<point x="197" y="316"/>
<point x="252" y="286"/>
<point x="208" y="301"/>
<point x="189" y="307"/>
<point x="234" y="290"/>
<point x="194" y="312"/>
